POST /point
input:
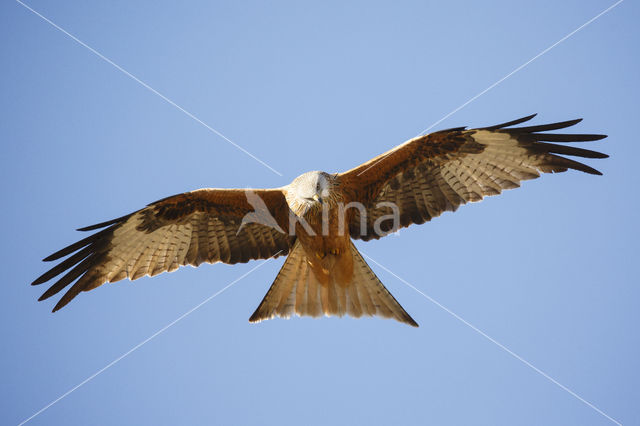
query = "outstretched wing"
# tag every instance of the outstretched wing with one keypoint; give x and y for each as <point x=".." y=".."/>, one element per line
<point x="186" y="229"/>
<point x="440" y="171"/>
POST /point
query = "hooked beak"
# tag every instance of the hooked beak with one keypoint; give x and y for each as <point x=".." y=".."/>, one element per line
<point x="317" y="198"/>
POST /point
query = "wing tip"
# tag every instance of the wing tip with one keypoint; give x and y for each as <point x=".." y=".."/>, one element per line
<point x="528" y="117"/>
<point x="410" y="321"/>
<point x="52" y="257"/>
<point x="68" y="296"/>
<point x="593" y="171"/>
<point x="106" y="223"/>
<point x="255" y="318"/>
<point x="94" y="227"/>
<point x="49" y="293"/>
<point x="45" y="297"/>
<point x="39" y="280"/>
<point x="510" y="123"/>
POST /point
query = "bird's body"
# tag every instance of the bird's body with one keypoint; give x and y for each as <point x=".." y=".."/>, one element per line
<point x="324" y="273"/>
<point x="315" y="218"/>
<point x="326" y="245"/>
<point x="327" y="252"/>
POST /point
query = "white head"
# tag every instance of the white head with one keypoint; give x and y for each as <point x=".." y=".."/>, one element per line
<point x="309" y="190"/>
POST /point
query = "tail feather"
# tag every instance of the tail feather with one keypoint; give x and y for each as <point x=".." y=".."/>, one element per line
<point x="296" y="290"/>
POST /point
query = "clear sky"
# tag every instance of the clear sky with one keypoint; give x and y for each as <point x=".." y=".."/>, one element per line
<point x="548" y="270"/>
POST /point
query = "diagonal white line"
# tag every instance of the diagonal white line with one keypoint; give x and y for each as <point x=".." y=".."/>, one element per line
<point x="505" y="77"/>
<point x="494" y="341"/>
<point x="145" y="85"/>
<point x="136" y="347"/>
<point x="521" y="66"/>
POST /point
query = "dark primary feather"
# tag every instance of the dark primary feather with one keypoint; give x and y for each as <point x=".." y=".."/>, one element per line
<point x="510" y="123"/>
<point x="76" y="246"/>
<point x="103" y="224"/>
<point x="91" y="250"/>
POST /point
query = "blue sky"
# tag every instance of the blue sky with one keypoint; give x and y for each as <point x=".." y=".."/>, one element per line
<point x="547" y="270"/>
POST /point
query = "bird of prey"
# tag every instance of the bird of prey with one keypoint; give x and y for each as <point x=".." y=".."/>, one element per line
<point x="314" y="219"/>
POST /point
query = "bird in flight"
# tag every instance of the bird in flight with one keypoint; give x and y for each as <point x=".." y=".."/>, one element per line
<point x="314" y="219"/>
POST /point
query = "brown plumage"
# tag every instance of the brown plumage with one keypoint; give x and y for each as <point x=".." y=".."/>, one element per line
<point x="314" y="218"/>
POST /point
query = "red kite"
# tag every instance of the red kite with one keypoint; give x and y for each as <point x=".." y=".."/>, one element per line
<point x="314" y="218"/>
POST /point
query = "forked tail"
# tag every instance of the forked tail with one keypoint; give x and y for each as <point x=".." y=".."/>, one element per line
<point x="296" y="290"/>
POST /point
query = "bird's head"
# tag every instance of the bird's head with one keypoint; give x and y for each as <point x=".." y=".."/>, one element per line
<point x="309" y="191"/>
